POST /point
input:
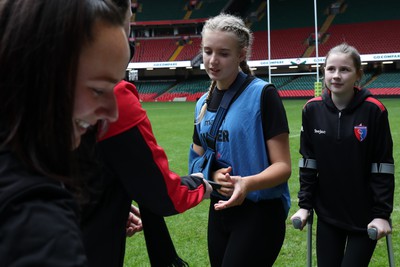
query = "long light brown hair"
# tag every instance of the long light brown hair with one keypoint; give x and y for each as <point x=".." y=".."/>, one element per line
<point x="233" y="24"/>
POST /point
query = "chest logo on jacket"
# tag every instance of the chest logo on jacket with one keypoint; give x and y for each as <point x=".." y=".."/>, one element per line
<point x="360" y="131"/>
<point x="208" y="122"/>
<point x="319" y="131"/>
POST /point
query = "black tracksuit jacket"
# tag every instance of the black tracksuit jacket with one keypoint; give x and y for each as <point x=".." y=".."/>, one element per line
<point x="38" y="219"/>
<point x="342" y="189"/>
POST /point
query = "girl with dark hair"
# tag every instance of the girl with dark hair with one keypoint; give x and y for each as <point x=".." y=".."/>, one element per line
<point x="132" y="166"/>
<point x="60" y="61"/>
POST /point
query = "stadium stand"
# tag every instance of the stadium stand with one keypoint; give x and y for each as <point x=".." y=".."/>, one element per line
<point x="186" y="90"/>
<point x="298" y="86"/>
<point x="149" y="90"/>
<point x="158" y="10"/>
<point x="369" y="26"/>
<point x="154" y="50"/>
<point x="279" y="41"/>
<point x="278" y="81"/>
<point x="206" y="9"/>
<point x="385" y="84"/>
<point x="384" y="32"/>
<point x="190" y="50"/>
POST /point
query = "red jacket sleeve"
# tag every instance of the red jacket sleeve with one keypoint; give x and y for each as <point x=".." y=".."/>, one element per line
<point x="130" y="111"/>
<point x="132" y="153"/>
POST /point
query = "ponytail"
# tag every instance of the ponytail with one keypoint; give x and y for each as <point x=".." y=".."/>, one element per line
<point x="246" y="68"/>
<point x="204" y="107"/>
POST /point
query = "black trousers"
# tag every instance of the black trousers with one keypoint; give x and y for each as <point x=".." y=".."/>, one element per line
<point x="340" y="248"/>
<point x="248" y="235"/>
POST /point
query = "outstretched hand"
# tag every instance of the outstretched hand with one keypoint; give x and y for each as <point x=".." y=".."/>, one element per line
<point x="134" y="223"/>
<point x="237" y="196"/>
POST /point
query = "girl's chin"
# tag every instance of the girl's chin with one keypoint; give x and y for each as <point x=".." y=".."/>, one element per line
<point x="78" y="132"/>
<point x="77" y="142"/>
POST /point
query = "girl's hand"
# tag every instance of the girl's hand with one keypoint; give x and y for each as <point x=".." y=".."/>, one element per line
<point x="382" y="226"/>
<point x="238" y="194"/>
<point x="219" y="177"/>
<point x="302" y="215"/>
<point x="134" y="223"/>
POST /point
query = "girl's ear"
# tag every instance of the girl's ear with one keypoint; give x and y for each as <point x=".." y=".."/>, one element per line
<point x="360" y="74"/>
<point x="243" y="54"/>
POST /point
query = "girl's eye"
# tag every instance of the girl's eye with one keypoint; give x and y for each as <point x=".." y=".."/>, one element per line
<point x="97" y="92"/>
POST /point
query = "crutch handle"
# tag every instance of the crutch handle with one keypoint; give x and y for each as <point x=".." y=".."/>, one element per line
<point x="373" y="233"/>
<point x="297" y="223"/>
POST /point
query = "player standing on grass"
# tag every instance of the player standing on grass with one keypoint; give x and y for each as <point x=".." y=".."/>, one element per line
<point x="347" y="169"/>
<point x="247" y="216"/>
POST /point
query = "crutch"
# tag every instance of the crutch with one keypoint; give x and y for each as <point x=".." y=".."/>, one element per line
<point x="373" y="234"/>
<point x="297" y="225"/>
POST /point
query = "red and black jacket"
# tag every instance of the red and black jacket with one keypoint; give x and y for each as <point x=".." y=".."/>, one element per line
<point x="345" y="145"/>
<point x="135" y="168"/>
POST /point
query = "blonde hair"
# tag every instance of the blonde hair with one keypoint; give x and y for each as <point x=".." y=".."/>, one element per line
<point x="233" y="24"/>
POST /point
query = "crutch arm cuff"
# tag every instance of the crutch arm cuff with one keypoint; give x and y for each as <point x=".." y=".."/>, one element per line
<point x="308" y="163"/>
<point x="387" y="168"/>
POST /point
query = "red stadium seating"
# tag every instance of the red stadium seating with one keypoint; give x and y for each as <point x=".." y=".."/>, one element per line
<point x="154" y="50"/>
<point x="368" y="37"/>
<point x="288" y="43"/>
<point x="190" y="50"/>
<point x="371" y="28"/>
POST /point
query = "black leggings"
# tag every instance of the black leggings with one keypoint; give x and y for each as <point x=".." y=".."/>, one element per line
<point x="337" y="247"/>
<point x="251" y="234"/>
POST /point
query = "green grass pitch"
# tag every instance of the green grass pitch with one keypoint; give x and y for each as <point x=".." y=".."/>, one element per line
<point x="173" y="127"/>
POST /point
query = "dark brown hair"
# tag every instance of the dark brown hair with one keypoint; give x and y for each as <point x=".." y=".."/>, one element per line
<point x="40" y="45"/>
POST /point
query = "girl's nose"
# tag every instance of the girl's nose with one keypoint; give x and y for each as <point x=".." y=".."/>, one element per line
<point x="213" y="59"/>
<point x="109" y="109"/>
<point x="336" y="74"/>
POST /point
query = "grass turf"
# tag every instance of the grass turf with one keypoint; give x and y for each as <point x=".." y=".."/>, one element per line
<point x="173" y="127"/>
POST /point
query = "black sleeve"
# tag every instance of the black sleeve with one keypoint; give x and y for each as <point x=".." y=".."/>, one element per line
<point x="307" y="176"/>
<point x="382" y="184"/>
<point x="196" y="138"/>
<point x="273" y="113"/>
<point x="142" y="168"/>
<point x="307" y="187"/>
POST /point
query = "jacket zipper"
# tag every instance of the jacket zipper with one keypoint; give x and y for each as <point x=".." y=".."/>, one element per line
<point x="338" y="133"/>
